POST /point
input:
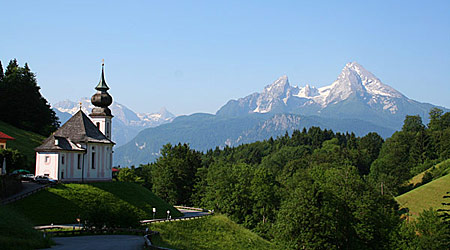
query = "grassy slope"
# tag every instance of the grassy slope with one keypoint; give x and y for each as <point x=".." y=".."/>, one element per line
<point x="418" y="178"/>
<point x="17" y="233"/>
<point x="214" y="232"/>
<point x="65" y="202"/>
<point x="25" y="141"/>
<point x="426" y="196"/>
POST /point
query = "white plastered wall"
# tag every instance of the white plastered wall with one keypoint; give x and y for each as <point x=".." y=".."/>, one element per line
<point x="47" y="164"/>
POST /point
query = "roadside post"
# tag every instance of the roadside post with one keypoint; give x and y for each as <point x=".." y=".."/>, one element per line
<point x="154" y="212"/>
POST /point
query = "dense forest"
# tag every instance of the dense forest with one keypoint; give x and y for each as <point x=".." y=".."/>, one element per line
<point x="313" y="189"/>
<point x="21" y="103"/>
<point x="23" y="106"/>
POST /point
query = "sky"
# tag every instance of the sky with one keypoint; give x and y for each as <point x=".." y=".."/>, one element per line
<point x="194" y="56"/>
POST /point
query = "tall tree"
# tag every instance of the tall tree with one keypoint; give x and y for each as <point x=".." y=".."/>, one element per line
<point x="21" y="103"/>
<point x="174" y="173"/>
<point x="2" y="74"/>
<point x="413" y="123"/>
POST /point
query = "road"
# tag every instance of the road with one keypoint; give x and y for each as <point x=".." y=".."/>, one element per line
<point x="27" y="186"/>
<point x="191" y="213"/>
<point x="99" y="242"/>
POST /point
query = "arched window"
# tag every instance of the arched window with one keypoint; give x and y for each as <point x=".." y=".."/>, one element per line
<point x="98" y="125"/>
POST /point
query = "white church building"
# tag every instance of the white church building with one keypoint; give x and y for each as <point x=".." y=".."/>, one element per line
<point x="81" y="150"/>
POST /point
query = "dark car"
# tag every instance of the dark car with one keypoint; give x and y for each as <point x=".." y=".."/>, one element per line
<point x="43" y="179"/>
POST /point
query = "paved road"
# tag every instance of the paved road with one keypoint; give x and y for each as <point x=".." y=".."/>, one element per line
<point x="191" y="213"/>
<point x="99" y="242"/>
<point x="27" y="186"/>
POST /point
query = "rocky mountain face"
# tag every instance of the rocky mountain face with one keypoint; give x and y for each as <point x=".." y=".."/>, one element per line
<point x="357" y="101"/>
<point x="356" y="93"/>
<point x="126" y="123"/>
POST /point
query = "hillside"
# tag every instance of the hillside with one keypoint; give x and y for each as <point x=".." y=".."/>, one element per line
<point x="25" y="141"/>
<point x="214" y="232"/>
<point x="443" y="168"/>
<point x="17" y="233"/>
<point x="64" y="203"/>
<point x="426" y="196"/>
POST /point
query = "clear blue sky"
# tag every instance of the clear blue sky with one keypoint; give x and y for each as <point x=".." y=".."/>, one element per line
<point x="194" y="56"/>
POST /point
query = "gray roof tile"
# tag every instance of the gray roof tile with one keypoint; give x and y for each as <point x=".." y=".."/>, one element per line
<point x="78" y="129"/>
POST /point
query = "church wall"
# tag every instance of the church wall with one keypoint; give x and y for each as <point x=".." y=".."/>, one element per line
<point x="47" y="164"/>
<point x="98" y="154"/>
<point x="71" y="169"/>
<point x="103" y="124"/>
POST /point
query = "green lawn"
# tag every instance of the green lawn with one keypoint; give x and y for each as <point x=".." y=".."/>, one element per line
<point x="66" y="202"/>
<point x="213" y="232"/>
<point x="17" y="233"/>
<point x="25" y="141"/>
<point x="426" y="196"/>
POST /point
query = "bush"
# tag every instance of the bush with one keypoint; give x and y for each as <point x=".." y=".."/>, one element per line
<point x="14" y="159"/>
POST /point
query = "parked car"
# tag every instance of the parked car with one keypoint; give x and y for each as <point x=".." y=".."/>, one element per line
<point x="27" y="177"/>
<point x="43" y="179"/>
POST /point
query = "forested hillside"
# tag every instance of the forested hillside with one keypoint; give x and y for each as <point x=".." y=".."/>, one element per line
<point x="313" y="188"/>
<point x="24" y="114"/>
<point x="21" y="103"/>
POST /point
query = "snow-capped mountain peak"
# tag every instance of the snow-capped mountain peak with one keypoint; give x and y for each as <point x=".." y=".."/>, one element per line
<point x="278" y="87"/>
<point x="354" y="84"/>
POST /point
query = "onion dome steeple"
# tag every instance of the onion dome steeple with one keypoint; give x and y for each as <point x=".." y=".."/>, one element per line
<point x="101" y="99"/>
<point x="102" y="84"/>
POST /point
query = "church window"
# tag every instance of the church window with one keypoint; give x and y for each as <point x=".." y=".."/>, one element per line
<point x="93" y="158"/>
<point x="98" y="125"/>
<point x="79" y="161"/>
<point x="62" y="175"/>
<point x="47" y="159"/>
<point x="62" y="159"/>
<point x="110" y="160"/>
<point x="107" y="129"/>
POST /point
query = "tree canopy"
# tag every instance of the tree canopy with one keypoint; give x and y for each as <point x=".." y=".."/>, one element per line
<point x="21" y="103"/>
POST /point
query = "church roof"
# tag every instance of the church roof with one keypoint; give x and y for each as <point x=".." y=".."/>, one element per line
<point x="78" y="129"/>
<point x="5" y="136"/>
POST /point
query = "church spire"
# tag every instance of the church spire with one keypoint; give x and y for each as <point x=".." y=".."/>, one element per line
<point x="102" y="84"/>
<point x="102" y="99"/>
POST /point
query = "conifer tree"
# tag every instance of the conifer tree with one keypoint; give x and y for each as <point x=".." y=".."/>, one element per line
<point x="21" y="103"/>
<point x="1" y="72"/>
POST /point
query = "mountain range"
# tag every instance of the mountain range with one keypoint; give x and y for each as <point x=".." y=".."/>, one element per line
<point x="357" y="101"/>
<point x="126" y="123"/>
<point x="355" y="94"/>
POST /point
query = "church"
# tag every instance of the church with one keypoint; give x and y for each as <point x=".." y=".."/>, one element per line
<point x="81" y="150"/>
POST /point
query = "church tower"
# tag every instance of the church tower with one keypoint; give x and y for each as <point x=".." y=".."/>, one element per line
<point x="101" y="115"/>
